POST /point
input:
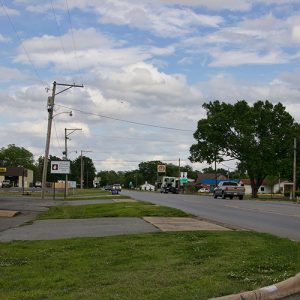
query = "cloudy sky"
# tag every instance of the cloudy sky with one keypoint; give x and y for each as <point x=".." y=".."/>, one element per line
<point x="147" y="67"/>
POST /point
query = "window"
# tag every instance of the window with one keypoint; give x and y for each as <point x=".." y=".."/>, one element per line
<point x="262" y="188"/>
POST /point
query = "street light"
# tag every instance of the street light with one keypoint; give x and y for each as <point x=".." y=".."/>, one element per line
<point x="66" y="152"/>
<point x="81" y="167"/>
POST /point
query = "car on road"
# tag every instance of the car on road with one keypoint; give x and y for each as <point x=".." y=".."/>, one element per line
<point x="108" y="187"/>
<point x="117" y="187"/>
<point x="229" y="189"/>
<point x="170" y="189"/>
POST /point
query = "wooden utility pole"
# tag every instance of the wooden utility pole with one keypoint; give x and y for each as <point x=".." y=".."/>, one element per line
<point x="179" y="175"/>
<point x="294" y="168"/>
<point x="50" y="108"/>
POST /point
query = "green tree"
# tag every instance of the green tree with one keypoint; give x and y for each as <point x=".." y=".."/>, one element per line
<point x="260" y="137"/>
<point x="109" y="177"/>
<point x="89" y="171"/>
<point x="149" y="170"/>
<point x="14" y="156"/>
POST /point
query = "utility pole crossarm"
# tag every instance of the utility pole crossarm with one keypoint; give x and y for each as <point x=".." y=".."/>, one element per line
<point x="50" y="108"/>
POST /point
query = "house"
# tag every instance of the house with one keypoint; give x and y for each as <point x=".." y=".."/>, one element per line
<point x="279" y="187"/>
<point x="147" y="187"/>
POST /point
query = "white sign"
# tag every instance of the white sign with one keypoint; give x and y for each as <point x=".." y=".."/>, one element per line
<point x="161" y="168"/>
<point x="60" y="167"/>
<point x="183" y="174"/>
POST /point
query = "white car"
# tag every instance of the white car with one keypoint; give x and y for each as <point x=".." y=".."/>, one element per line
<point x="203" y="190"/>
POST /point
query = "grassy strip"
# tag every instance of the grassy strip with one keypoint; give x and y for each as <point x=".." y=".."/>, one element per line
<point x="127" y="209"/>
<point x="104" y="197"/>
<point x="191" y="265"/>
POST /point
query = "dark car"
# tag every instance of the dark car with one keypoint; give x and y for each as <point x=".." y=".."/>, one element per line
<point x="108" y="187"/>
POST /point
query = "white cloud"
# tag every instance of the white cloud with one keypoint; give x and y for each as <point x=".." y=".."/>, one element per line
<point x="233" y="5"/>
<point x="236" y="58"/>
<point x="3" y="39"/>
<point x="93" y="50"/>
<point x="296" y="33"/>
<point x="262" y="40"/>
<point x="7" y="74"/>
<point x="160" y="20"/>
<point x="8" y="11"/>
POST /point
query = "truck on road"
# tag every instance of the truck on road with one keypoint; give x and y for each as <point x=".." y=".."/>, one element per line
<point x="229" y="189"/>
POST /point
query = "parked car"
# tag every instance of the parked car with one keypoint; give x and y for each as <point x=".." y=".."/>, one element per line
<point x="229" y="189"/>
<point x="203" y="190"/>
<point x="6" y="184"/>
<point x="38" y="184"/>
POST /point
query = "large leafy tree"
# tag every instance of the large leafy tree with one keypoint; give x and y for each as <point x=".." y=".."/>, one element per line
<point x="13" y="156"/>
<point x="148" y="170"/>
<point x="89" y="171"/>
<point x="260" y="137"/>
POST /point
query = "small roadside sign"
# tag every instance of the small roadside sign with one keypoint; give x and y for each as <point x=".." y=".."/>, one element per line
<point x="60" y="167"/>
<point x="161" y="168"/>
<point x="184" y="180"/>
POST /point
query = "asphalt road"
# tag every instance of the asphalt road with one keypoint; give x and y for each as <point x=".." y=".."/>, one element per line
<point x="278" y="218"/>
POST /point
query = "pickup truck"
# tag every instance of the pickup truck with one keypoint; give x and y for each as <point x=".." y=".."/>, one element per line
<point x="229" y="189"/>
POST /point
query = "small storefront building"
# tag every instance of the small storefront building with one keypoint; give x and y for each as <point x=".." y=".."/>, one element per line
<point x="17" y="176"/>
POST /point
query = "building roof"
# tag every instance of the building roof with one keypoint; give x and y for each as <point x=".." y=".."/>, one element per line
<point x="209" y="176"/>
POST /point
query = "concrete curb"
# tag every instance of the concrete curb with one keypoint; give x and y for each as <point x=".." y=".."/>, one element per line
<point x="280" y="290"/>
<point x="8" y="213"/>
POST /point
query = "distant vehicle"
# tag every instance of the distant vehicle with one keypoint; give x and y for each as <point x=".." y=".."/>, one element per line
<point x="6" y="184"/>
<point x="169" y="185"/>
<point x="117" y="187"/>
<point x="108" y="187"/>
<point x="203" y="190"/>
<point x="169" y="189"/>
<point x="38" y="184"/>
<point x="229" y="189"/>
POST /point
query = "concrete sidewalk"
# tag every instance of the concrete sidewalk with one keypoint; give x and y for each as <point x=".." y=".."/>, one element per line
<point x="72" y="228"/>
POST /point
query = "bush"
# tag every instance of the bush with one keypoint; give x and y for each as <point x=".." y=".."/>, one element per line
<point x="297" y="194"/>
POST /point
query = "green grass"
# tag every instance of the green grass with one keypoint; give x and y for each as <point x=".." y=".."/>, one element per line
<point x="123" y="209"/>
<point x="190" y="265"/>
<point x="100" y="197"/>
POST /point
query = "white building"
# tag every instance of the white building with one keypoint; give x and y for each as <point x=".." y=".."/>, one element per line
<point x="265" y="188"/>
<point x="147" y="187"/>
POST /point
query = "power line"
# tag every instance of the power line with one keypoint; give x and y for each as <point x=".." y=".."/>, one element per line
<point x="21" y="43"/>
<point x="125" y="121"/>
<point x="60" y="34"/>
<point x="56" y="134"/>
<point x="72" y="34"/>
<point x="137" y="138"/>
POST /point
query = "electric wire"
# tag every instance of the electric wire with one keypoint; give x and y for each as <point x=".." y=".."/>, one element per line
<point x="60" y="35"/>
<point x="22" y="45"/>
<point x="73" y="39"/>
<point x="125" y="121"/>
<point x="57" y="139"/>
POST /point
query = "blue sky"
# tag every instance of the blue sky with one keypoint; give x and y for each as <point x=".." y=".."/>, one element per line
<point x="150" y="62"/>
